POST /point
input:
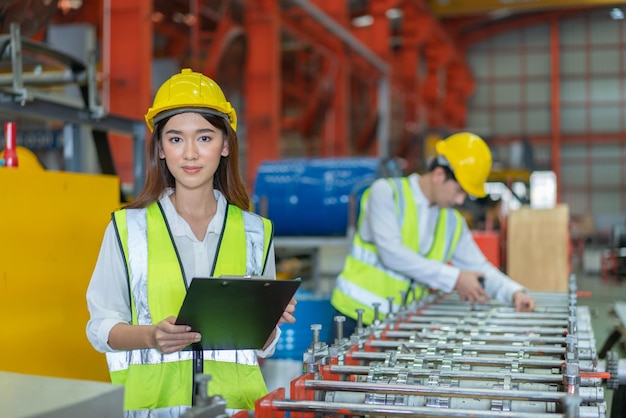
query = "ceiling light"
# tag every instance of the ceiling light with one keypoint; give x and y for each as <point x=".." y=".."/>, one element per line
<point x="67" y="5"/>
<point x="393" y="13"/>
<point x="500" y="13"/>
<point x="362" y="21"/>
<point x="189" y="19"/>
<point x="178" y="17"/>
<point x="157" y="17"/>
<point x="617" y="14"/>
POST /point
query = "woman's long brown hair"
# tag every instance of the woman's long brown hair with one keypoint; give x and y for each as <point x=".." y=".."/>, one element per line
<point x="227" y="178"/>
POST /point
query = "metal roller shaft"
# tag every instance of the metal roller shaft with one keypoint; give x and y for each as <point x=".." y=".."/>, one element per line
<point x="392" y="410"/>
<point x="456" y="374"/>
<point x="329" y="385"/>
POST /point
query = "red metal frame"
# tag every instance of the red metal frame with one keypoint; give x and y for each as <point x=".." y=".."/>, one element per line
<point x="298" y="392"/>
<point x="332" y="112"/>
<point x="555" y="101"/>
<point x="324" y="113"/>
<point x="609" y="264"/>
<point x="263" y="407"/>
<point x="262" y="84"/>
<point x="131" y="72"/>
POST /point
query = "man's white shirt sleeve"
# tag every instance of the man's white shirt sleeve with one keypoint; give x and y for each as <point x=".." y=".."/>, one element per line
<point x="380" y="225"/>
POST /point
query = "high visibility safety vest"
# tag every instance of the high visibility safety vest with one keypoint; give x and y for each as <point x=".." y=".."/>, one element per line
<point x="161" y="385"/>
<point x="365" y="280"/>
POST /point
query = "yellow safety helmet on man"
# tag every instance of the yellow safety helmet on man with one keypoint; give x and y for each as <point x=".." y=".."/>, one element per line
<point x="190" y="91"/>
<point x="470" y="160"/>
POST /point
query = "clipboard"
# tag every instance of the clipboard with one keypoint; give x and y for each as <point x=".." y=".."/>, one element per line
<point x="234" y="313"/>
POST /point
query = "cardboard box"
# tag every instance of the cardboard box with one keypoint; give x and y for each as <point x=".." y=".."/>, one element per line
<point x="538" y="248"/>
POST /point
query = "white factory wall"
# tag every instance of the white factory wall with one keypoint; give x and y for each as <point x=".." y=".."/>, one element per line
<point x="512" y="100"/>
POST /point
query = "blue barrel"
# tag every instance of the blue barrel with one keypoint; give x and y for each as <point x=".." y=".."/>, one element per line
<point x="305" y="197"/>
<point x="296" y="338"/>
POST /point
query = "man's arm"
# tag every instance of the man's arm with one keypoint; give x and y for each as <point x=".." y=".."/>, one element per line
<point x="380" y="225"/>
<point x="498" y="285"/>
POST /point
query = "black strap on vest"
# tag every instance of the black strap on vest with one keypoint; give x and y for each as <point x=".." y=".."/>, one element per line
<point x="198" y="370"/>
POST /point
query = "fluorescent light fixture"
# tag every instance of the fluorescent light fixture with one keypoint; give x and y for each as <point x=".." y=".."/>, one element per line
<point x="617" y="13"/>
<point x="500" y="13"/>
<point x="67" y="5"/>
<point x="393" y="13"/>
<point x="362" y="21"/>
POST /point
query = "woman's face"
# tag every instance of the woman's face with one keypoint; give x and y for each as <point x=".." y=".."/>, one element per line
<point x="192" y="148"/>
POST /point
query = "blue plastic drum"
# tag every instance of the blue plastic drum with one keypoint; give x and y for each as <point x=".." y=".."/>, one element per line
<point x="306" y="197"/>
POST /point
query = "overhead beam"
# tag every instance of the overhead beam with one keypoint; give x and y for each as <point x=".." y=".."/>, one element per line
<point x="452" y="8"/>
<point x="343" y="34"/>
<point x="372" y="57"/>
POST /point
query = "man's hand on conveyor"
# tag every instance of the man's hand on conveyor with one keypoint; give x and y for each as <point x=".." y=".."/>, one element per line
<point x="523" y="302"/>
<point x="470" y="288"/>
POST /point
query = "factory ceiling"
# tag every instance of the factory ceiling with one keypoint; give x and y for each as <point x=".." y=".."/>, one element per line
<point x="459" y="8"/>
<point x="174" y="17"/>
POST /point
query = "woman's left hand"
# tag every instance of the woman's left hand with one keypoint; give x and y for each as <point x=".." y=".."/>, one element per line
<point x="287" y="316"/>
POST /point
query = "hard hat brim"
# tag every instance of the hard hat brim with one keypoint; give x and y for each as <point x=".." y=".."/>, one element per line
<point x="473" y="191"/>
<point x="202" y="110"/>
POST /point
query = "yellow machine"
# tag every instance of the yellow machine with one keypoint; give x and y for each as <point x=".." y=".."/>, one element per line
<point x="52" y="226"/>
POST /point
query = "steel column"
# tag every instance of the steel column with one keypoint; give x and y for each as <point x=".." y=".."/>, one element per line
<point x="371" y="56"/>
<point x="130" y="78"/>
<point x="335" y="138"/>
<point x="555" y="83"/>
<point x="262" y="86"/>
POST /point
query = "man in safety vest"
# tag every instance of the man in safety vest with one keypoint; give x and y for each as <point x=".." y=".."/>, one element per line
<point x="409" y="237"/>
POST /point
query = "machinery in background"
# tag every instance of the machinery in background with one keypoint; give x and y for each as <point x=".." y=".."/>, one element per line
<point x="443" y="357"/>
<point x="316" y="196"/>
<point x="313" y="203"/>
<point x="48" y="255"/>
<point x="613" y="258"/>
<point x="205" y="406"/>
<point x="53" y="225"/>
<point x="31" y="15"/>
<point x="507" y="190"/>
<point x="34" y="83"/>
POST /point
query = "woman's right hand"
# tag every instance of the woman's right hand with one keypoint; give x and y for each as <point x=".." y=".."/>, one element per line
<point x="170" y="338"/>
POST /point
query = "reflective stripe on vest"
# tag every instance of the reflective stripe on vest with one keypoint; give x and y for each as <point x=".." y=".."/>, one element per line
<point x="163" y="382"/>
<point x="365" y="281"/>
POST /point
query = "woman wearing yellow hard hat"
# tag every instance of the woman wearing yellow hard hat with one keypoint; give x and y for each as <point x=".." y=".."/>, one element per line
<point x="190" y="220"/>
<point x="410" y="239"/>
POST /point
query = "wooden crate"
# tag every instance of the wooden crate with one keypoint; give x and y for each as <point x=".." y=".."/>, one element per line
<point x="538" y="248"/>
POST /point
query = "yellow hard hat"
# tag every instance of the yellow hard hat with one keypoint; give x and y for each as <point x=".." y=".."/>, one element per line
<point x="190" y="92"/>
<point x="470" y="160"/>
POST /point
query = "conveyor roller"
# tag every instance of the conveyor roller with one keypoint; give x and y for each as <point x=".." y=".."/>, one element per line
<point x="444" y="357"/>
